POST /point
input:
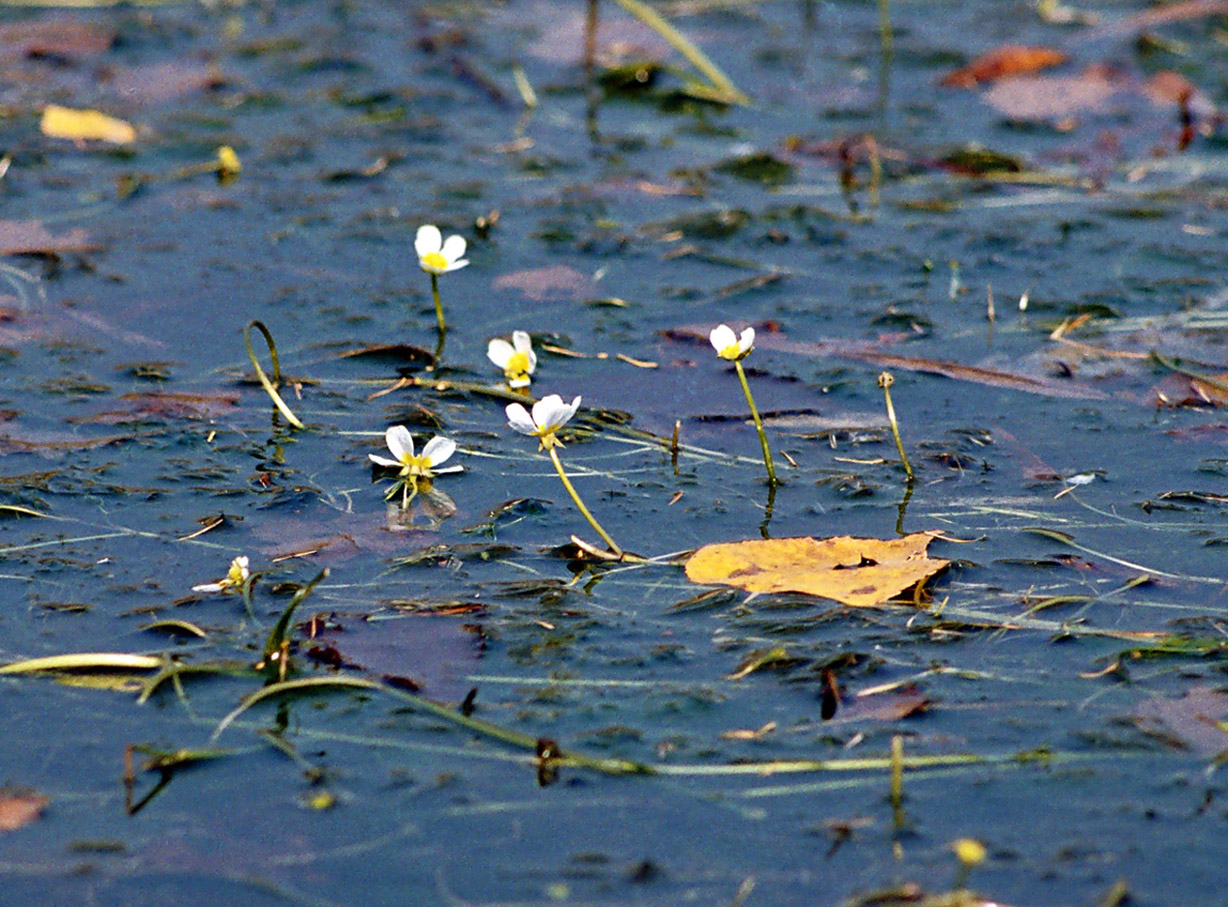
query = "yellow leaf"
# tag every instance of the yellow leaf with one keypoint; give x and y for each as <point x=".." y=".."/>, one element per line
<point x="82" y="125"/>
<point x="857" y="572"/>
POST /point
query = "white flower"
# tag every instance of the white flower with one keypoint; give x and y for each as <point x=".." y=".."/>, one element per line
<point x="549" y="415"/>
<point x="437" y="256"/>
<point x="517" y="358"/>
<point x="730" y="347"/>
<point x="401" y="443"/>
<point x="234" y="578"/>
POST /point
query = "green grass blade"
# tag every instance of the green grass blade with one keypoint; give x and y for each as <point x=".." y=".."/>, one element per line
<point x="727" y="91"/>
<point x="80" y="661"/>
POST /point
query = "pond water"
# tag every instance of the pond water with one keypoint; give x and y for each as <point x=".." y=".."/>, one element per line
<point x="1056" y="691"/>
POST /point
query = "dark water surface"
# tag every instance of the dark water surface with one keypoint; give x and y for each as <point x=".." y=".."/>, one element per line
<point x="1088" y="694"/>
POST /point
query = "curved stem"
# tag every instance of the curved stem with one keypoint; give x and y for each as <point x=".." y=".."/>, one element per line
<point x="571" y="490"/>
<point x="754" y="413"/>
<point x="270" y="386"/>
<point x="443" y="325"/>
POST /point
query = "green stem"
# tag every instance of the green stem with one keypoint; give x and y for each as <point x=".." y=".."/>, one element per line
<point x="443" y="325"/>
<point x="571" y="490"/>
<point x="754" y="413"/>
<point x="270" y="386"/>
<point x="885" y="381"/>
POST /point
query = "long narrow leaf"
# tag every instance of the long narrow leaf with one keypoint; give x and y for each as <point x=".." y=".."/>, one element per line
<point x="727" y="91"/>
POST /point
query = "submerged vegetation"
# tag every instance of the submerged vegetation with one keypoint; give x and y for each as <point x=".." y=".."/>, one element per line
<point x="763" y="692"/>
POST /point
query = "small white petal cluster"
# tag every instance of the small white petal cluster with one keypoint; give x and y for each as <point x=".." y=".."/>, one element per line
<point x="549" y="414"/>
<point x="730" y="346"/>
<point x="234" y="579"/>
<point x="517" y="358"/>
<point x="436" y="256"/>
<point x="401" y="444"/>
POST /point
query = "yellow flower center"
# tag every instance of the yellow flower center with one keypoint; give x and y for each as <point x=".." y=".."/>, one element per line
<point x="434" y="261"/>
<point x="517" y="366"/>
<point x="234" y="577"/>
<point x="547" y="438"/>
<point x="416" y="466"/>
<point x="731" y="352"/>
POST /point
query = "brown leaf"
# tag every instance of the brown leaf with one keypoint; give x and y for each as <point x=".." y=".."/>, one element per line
<point x="18" y="809"/>
<point x="29" y="237"/>
<point x="891" y="705"/>
<point x="1196" y="721"/>
<point x="545" y="283"/>
<point x="1162" y="15"/>
<point x="57" y="37"/>
<point x="437" y="654"/>
<point x="158" y="82"/>
<point x="858" y="572"/>
<point x="164" y="405"/>
<point x="1008" y="60"/>
<point x="1038" y="98"/>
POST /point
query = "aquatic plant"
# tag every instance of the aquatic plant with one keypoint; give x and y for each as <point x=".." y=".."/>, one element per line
<point x="550" y="414"/>
<point x="517" y="358"/>
<point x="415" y="472"/>
<point x="885" y="380"/>
<point x="439" y="256"/>
<point x="234" y="580"/>
<point x="735" y="348"/>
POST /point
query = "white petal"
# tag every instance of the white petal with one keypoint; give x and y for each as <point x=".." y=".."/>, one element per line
<point x="208" y="587"/>
<point x="437" y="450"/>
<point x="400" y="442"/>
<point x="446" y="469"/>
<point x="242" y="562"/>
<point x="499" y="351"/>
<point x="522" y="341"/>
<point x="722" y="336"/>
<point x="518" y="418"/>
<point x="551" y="413"/>
<point x="519" y="382"/>
<point x="454" y="250"/>
<point x="428" y="240"/>
<point x="384" y="461"/>
<point x="746" y="341"/>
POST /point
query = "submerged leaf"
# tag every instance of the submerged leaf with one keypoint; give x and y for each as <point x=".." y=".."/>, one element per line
<point x="1001" y="62"/>
<point x="18" y="809"/>
<point x="857" y="572"/>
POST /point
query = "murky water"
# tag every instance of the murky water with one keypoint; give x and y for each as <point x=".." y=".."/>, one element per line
<point x="1084" y="697"/>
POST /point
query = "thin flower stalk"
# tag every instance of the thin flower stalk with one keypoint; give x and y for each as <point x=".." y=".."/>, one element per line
<point x="548" y="415"/>
<point x="734" y="348"/>
<point x="885" y="380"/>
<point x="439" y="256"/>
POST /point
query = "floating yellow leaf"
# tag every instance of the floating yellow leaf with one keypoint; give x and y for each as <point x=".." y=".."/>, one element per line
<point x="85" y="125"/>
<point x="857" y="572"/>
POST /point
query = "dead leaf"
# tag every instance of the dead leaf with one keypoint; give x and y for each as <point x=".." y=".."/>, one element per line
<point x="29" y="237"/>
<point x="1008" y="60"/>
<point x="553" y="282"/>
<point x="18" y="809"/>
<point x="58" y="38"/>
<point x="163" y="405"/>
<point x="891" y="705"/>
<point x="159" y="82"/>
<point x="1196" y="721"/>
<point x="1162" y="15"/>
<point x="1041" y="98"/>
<point x="85" y="125"/>
<point x="434" y="654"/>
<point x="857" y="572"/>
